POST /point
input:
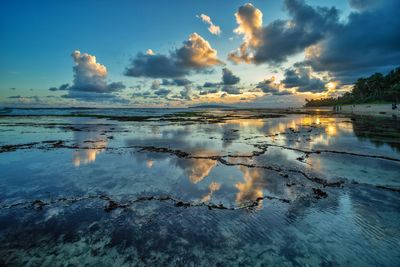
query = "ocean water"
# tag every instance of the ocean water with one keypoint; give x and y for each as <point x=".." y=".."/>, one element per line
<point x="191" y="187"/>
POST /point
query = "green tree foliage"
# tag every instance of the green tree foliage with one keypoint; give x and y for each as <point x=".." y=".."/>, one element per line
<point x="375" y="88"/>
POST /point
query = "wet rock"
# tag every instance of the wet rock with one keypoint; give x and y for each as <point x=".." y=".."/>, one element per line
<point x="318" y="193"/>
<point x="112" y="205"/>
<point x="182" y="204"/>
<point x="301" y="159"/>
<point x="163" y="198"/>
<point x="178" y="153"/>
<point x="38" y="204"/>
<point x="145" y="198"/>
<point x="71" y="128"/>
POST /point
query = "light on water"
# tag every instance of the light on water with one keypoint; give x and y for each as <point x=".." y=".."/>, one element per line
<point x="244" y="187"/>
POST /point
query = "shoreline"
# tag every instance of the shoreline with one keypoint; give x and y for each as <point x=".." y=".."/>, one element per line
<point x="382" y="110"/>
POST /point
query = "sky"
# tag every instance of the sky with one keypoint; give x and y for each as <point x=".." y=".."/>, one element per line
<point x="270" y="53"/>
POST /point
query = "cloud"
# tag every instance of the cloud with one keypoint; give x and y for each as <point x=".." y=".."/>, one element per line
<point x="269" y="86"/>
<point x="232" y="90"/>
<point x="25" y="99"/>
<point x="155" y="85"/>
<point x="213" y="29"/>
<point x="90" y="76"/>
<point x="196" y="54"/>
<point x="89" y="80"/>
<point x="227" y="84"/>
<point x="62" y="87"/>
<point x="210" y="84"/>
<point x="187" y="93"/>
<point x="228" y="77"/>
<point x="281" y="38"/>
<point x="363" y="4"/>
<point x="162" y="92"/>
<point x="176" y="82"/>
<point x="155" y="66"/>
<point x="207" y="92"/>
<point x="145" y="94"/>
<point x="95" y="97"/>
<point x="367" y="43"/>
<point x="115" y="86"/>
<point x="303" y="80"/>
<point x="150" y="52"/>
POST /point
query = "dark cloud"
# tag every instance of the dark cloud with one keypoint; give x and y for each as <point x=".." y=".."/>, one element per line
<point x="369" y="42"/>
<point x="281" y="38"/>
<point x="269" y="86"/>
<point x="162" y="92"/>
<point x="231" y="89"/>
<point x="196" y="54"/>
<point x="145" y="94"/>
<point x="115" y="86"/>
<point x="228" y="77"/>
<point x="62" y="87"/>
<point x="206" y="92"/>
<point x="366" y="42"/>
<point x="155" y="66"/>
<point x="364" y="4"/>
<point x="228" y="80"/>
<point x="176" y="82"/>
<point x="301" y="78"/>
<point x="209" y="84"/>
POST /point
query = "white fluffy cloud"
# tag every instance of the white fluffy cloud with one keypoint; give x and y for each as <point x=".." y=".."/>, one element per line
<point x="249" y="20"/>
<point x="90" y="76"/>
<point x="150" y="52"/>
<point x="89" y="80"/>
<point x="196" y="54"/>
<point x="212" y="28"/>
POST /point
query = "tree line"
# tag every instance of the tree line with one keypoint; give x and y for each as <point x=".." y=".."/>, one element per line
<point x="377" y="88"/>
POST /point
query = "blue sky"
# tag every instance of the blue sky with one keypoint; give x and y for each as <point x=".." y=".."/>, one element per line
<point x="38" y="38"/>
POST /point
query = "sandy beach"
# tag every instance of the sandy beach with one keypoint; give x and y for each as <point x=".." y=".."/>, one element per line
<point x="367" y="109"/>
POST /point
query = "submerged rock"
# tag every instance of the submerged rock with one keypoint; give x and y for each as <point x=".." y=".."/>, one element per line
<point x="318" y="193"/>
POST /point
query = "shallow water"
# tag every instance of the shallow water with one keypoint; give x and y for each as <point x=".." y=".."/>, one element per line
<point x="213" y="188"/>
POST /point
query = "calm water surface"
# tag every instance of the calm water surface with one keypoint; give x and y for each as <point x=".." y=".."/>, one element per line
<point x="202" y="189"/>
